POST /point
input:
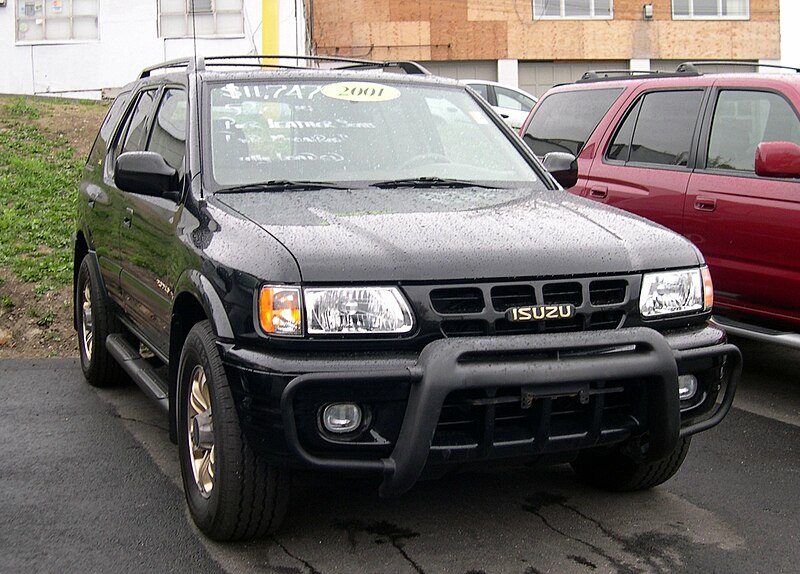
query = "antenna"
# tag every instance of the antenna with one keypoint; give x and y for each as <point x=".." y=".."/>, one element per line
<point x="197" y="102"/>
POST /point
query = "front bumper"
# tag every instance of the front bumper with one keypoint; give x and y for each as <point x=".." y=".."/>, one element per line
<point x="474" y="398"/>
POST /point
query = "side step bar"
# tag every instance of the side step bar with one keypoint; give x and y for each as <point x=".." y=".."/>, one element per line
<point x="747" y="331"/>
<point x="138" y="369"/>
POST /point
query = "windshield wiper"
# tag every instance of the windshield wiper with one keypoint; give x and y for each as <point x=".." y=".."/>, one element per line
<point x="281" y="185"/>
<point x="428" y="182"/>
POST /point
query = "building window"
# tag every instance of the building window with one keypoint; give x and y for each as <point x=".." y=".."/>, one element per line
<point x="710" y="9"/>
<point x="577" y="9"/>
<point x="183" y="18"/>
<point x="56" y="20"/>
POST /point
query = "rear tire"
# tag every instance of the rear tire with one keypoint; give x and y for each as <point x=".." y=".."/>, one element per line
<point x="619" y="472"/>
<point x="95" y="322"/>
<point x="231" y="491"/>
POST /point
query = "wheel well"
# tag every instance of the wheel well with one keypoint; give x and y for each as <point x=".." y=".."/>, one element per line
<point x="186" y="313"/>
<point x="81" y="249"/>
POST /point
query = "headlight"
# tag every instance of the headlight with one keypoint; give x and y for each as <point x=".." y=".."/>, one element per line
<point x="673" y="292"/>
<point x="357" y="310"/>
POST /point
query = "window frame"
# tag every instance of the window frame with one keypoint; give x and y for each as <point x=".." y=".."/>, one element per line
<point x="708" y="122"/>
<point x="719" y="16"/>
<point x="590" y="16"/>
<point x="43" y="17"/>
<point x="161" y="98"/>
<point x="186" y="13"/>
<point x="637" y="102"/>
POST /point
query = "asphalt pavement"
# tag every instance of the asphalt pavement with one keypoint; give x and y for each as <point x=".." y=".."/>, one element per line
<point x="89" y="482"/>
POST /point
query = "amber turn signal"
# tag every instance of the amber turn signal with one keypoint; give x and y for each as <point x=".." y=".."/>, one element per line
<point x="708" y="289"/>
<point x="279" y="310"/>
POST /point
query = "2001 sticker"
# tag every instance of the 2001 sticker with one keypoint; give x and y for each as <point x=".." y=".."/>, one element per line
<point x="360" y="92"/>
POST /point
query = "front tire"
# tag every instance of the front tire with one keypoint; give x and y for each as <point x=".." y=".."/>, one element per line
<point x="232" y="492"/>
<point x="619" y="472"/>
<point x="95" y="322"/>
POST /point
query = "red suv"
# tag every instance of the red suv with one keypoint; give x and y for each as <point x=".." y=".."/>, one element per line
<point x="712" y="156"/>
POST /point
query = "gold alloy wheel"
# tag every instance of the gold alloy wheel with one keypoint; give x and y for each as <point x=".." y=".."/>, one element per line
<point x="87" y="323"/>
<point x="201" y="431"/>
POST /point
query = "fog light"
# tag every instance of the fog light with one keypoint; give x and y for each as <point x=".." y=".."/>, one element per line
<point x="687" y="386"/>
<point x="341" y="418"/>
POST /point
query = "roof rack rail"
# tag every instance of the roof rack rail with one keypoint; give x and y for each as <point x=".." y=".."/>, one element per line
<point x="692" y="67"/>
<point x="609" y="75"/>
<point x="258" y="61"/>
<point x="188" y="63"/>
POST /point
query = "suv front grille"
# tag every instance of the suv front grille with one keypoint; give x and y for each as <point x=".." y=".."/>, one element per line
<point x="457" y="301"/>
<point x="507" y="296"/>
<point x="477" y="309"/>
<point x="562" y="293"/>
<point x="607" y="292"/>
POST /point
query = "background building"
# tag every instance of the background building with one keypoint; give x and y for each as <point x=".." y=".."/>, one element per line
<point x="537" y="43"/>
<point x="81" y="47"/>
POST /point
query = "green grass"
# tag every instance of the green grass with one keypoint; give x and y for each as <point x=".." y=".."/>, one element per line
<point x="39" y="175"/>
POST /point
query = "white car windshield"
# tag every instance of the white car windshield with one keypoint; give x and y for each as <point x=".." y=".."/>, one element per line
<point x="349" y="131"/>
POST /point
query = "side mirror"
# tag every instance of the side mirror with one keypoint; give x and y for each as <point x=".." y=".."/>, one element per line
<point x="562" y="166"/>
<point x="778" y="159"/>
<point x="146" y="173"/>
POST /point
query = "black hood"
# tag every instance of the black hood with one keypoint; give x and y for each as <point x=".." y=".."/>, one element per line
<point x="390" y="235"/>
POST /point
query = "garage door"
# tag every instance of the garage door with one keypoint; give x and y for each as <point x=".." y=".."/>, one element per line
<point x="465" y="69"/>
<point x="538" y="77"/>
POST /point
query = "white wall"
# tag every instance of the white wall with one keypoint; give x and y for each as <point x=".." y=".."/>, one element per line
<point x="790" y="41"/>
<point x="128" y="42"/>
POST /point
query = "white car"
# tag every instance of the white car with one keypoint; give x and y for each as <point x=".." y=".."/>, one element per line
<point x="512" y="104"/>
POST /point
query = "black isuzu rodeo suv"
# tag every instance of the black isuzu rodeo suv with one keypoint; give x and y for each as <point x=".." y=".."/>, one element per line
<point x="357" y="267"/>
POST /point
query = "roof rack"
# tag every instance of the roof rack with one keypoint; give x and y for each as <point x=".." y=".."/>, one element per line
<point x="258" y="61"/>
<point x="187" y="63"/>
<point x="609" y="75"/>
<point x="692" y="66"/>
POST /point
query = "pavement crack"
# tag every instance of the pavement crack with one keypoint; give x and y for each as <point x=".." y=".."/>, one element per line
<point x="383" y="531"/>
<point x="535" y="503"/>
<point x="306" y="563"/>
<point x="132" y="420"/>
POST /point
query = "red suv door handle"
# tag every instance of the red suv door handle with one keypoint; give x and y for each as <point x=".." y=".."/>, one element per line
<point x="705" y="204"/>
<point x="598" y="193"/>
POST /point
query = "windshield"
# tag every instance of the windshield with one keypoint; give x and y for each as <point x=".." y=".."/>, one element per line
<point x="349" y="132"/>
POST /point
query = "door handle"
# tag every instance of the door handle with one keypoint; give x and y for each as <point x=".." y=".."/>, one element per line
<point x="598" y="193"/>
<point x="705" y="203"/>
<point x="126" y="222"/>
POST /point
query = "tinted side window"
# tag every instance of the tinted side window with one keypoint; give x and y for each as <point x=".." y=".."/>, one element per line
<point x="742" y="120"/>
<point x="107" y="128"/>
<point x="663" y="132"/>
<point x="137" y="125"/>
<point x="169" y="129"/>
<point x="620" y="147"/>
<point x="564" y="121"/>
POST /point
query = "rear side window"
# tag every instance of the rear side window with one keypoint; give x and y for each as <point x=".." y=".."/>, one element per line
<point x="658" y="129"/>
<point x="512" y="100"/>
<point x="107" y="128"/>
<point x="742" y="120"/>
<point x="482" y="89"/>
<point x="137" y="126"/>
<point x="169" y="129"/>
<point x="564" y="121"/>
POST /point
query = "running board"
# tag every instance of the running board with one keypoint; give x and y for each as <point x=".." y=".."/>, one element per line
<point x="747" y="331"/>
<point x="138" y="369"/>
